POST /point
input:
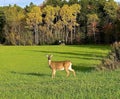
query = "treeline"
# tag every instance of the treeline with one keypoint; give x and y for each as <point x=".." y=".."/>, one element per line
<point x="72" y="22"/>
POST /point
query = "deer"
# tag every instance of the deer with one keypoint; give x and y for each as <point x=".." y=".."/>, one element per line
<point x="60" y="65"/>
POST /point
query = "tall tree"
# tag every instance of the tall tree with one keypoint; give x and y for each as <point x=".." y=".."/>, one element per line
<point x="117" y="26"/>
<point x="65" y="13"/>
<point x="49" y="12"/>
<point x="54" y="2"/>
<point x="71" y="2"/>
<point x="82" y="18"/>
<point x="111" y="15"/>
<point x="33" y="19"/>
<point x="14" y="17"/>
<point x="75" y="10"/>
<point x="111" y="9"/>
<point x="68" y="15"/>
<point x="28" y="7"/>
<point x="92" y="24"/>
<point x="2" y="24"/>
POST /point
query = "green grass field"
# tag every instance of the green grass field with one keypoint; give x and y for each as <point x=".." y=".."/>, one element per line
<point x="24" y="73"/>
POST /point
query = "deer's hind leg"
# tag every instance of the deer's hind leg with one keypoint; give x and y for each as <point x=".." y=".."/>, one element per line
<point x="68" y="73"/>
<point x="72" y="70"/>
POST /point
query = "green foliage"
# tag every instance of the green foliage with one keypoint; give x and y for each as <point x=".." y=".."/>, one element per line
<point x="69" y="15"/>
<point x="56" y="20"/>
<point x="24" y="73"/>
<point x="34" y="16"/>
<point x="14" y="14"/>
<point x="111" y="9"/>
<point x="92" y="18"/>
<point x="33" y="19"/>
<point x="118" y="13"/>
<point x="49" y="12"/>
<point x="72" y="2"/>
<point x="2" y="20"/>
<point x="92" y="22"/>
<point x="55" y="2"/>
<point x="28" y="8"/>
<point x="14" y="24"/>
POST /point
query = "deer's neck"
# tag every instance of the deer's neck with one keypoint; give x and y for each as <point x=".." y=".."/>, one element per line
<point x="49" y="62"/>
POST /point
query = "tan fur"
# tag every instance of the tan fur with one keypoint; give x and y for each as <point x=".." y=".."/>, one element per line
<point x="60" y="65"/>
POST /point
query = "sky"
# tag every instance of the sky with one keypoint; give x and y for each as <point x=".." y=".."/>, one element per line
<point x="23" y="3"/>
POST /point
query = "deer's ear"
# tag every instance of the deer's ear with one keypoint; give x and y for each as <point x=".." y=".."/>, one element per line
<point x="46" y="55"/>
<point x="51" y="55"/>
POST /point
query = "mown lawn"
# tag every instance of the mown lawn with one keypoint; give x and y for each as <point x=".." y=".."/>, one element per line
<point x="24" y="73"/>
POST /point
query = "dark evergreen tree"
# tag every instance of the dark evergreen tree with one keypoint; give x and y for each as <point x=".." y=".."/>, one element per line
<point x="2" y="24"/>
<point x="70" y="2"/>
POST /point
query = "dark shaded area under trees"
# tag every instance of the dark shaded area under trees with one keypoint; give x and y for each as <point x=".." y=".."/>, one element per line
<point x="71" y="22"/>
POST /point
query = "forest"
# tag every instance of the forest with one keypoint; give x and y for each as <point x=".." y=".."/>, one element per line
<point x="55" y="21"/>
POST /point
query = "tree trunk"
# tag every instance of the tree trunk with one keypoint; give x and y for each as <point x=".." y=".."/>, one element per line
<point x="36" y="34"/>
<point x="94" y="35"/>
<point x="71" y="39"/>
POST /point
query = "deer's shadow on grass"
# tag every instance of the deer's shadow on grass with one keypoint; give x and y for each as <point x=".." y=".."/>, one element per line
<point x="30" y="74"/>
<point x="83" y="68"/>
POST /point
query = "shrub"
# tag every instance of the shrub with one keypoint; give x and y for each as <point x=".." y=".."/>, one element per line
<point x="112" y="61"/>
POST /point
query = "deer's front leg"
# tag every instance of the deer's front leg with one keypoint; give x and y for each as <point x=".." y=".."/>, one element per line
<point x="53" y="73"/>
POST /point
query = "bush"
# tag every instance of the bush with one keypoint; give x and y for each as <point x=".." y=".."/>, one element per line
<point x="113" y="59"/>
